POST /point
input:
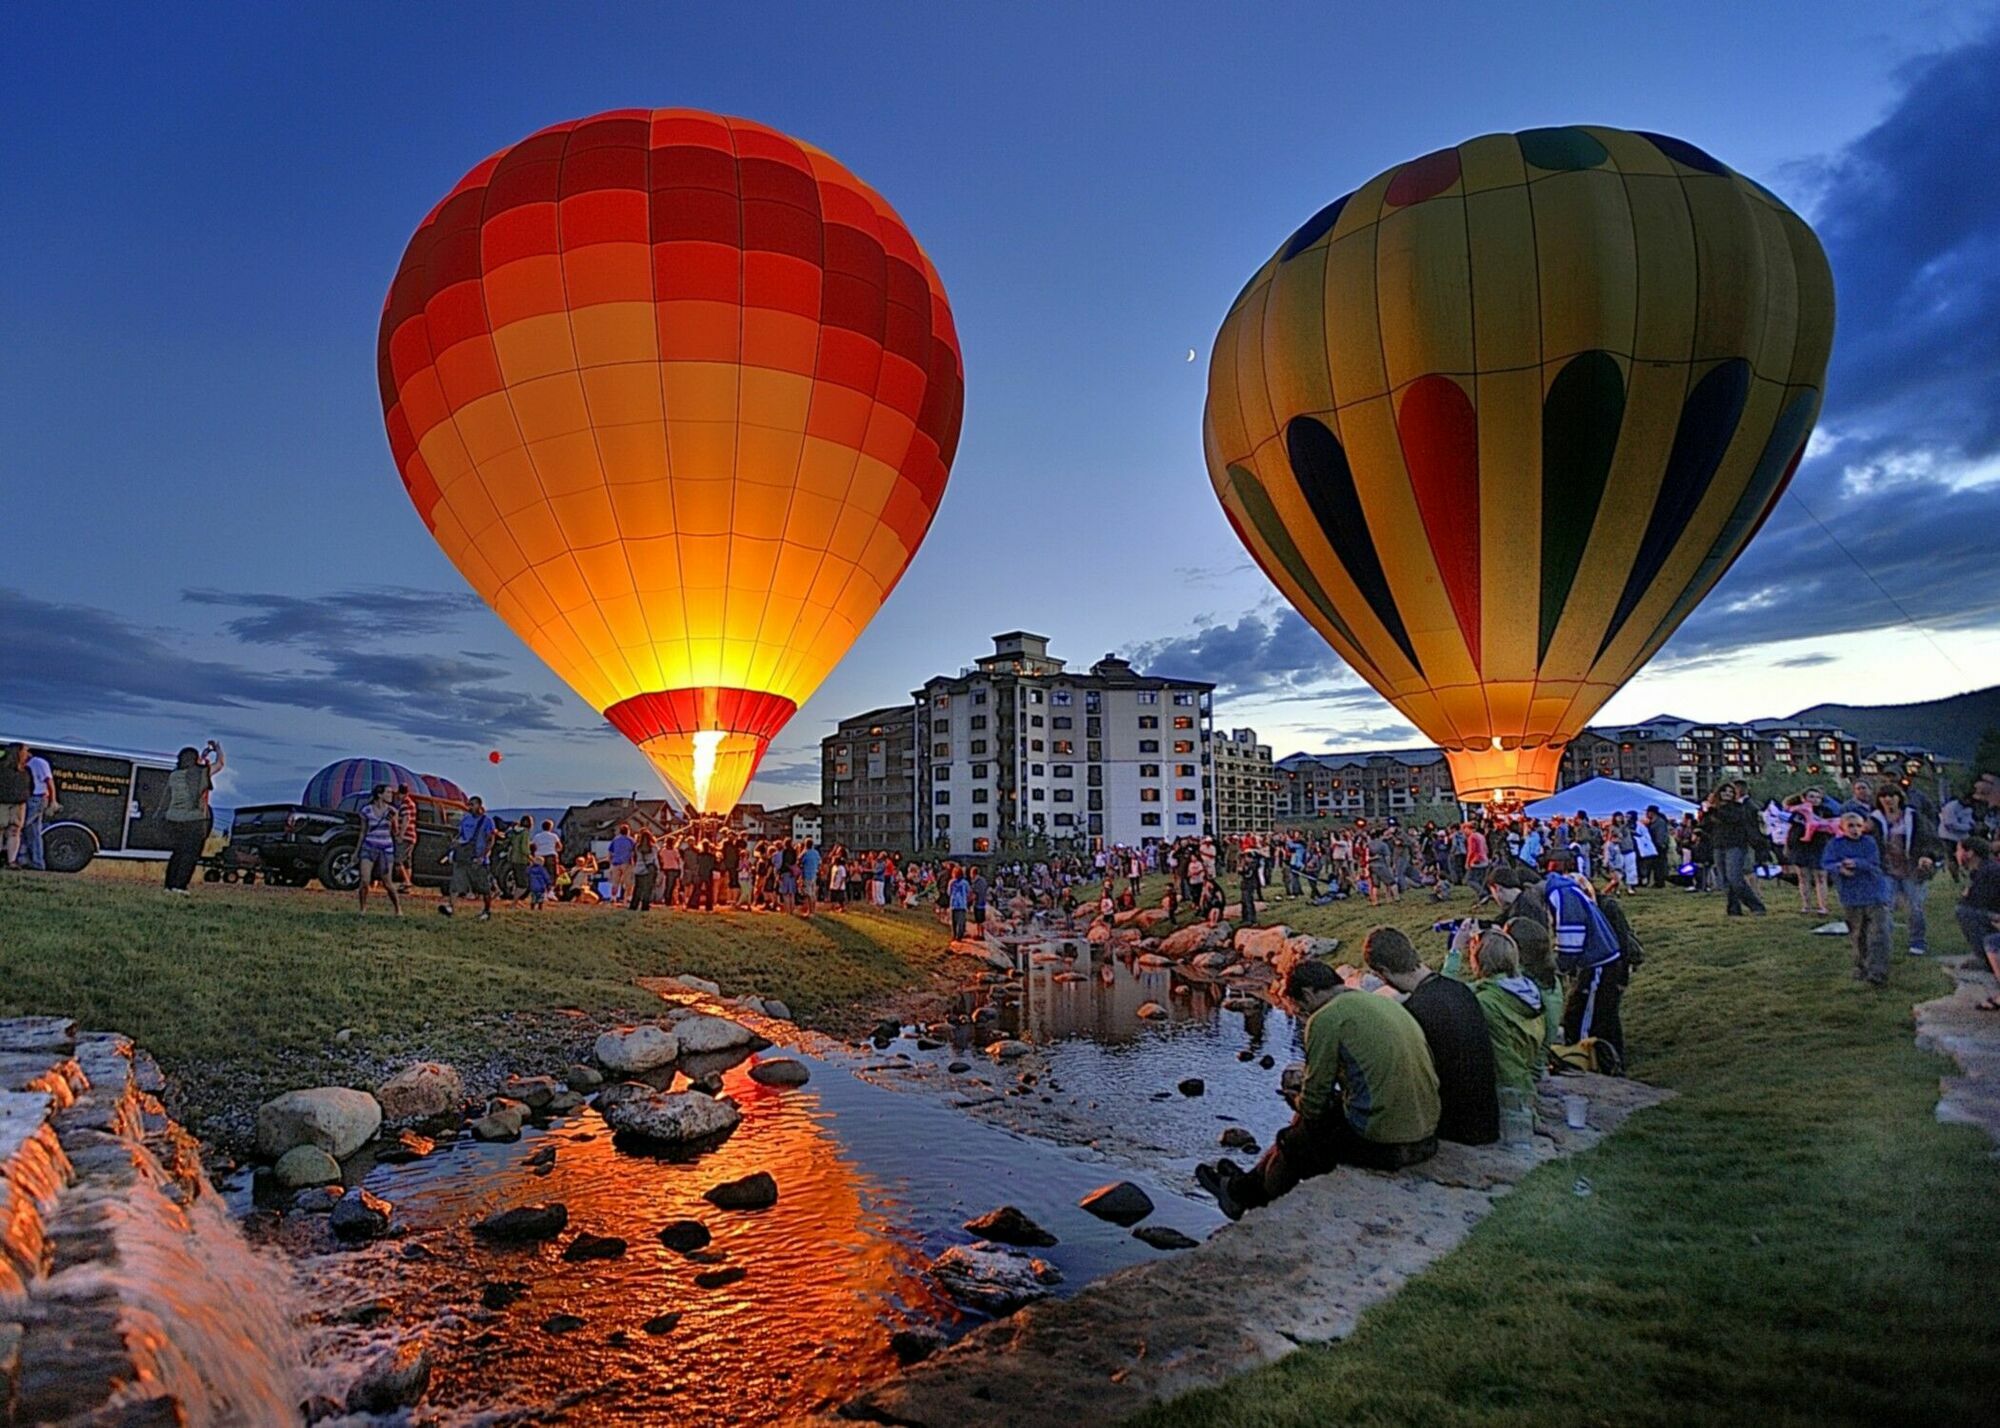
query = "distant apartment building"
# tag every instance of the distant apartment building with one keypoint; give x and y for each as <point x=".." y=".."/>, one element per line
<point x="1684" y="757"/>
<point x="868" y="781"/>
<point x="1017" y="745"/>
<point x="1375" y="784"/>
<point x="798" y="821"/>
<point x="1246" y="784"/>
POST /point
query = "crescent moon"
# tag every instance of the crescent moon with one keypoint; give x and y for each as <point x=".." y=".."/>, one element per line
<point x="1190" y="354"/>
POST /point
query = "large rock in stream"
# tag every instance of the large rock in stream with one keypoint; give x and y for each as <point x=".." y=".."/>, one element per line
<point x="670" y="1117"/>
<point x="337" y="1120"/>
<point x="1196" y="937"/>
<point x="993" y="1278"/>
<point x="629" y="1050"/>
<point x="704" y="1035"/>
<point x="417" y="1092"/>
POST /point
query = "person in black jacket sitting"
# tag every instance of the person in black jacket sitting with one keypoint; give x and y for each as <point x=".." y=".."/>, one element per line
<point x="1454" y="1027"/>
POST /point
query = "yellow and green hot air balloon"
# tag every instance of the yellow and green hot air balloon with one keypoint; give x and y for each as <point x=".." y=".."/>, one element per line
<point x="1497" y="420"/>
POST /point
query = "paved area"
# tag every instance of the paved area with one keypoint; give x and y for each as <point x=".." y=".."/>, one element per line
<point x="1243" y="1298"/>
<point x="1953" y="1026"/>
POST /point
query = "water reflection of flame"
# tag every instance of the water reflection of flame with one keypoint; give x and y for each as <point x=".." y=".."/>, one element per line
<point x="826" y="1278"/>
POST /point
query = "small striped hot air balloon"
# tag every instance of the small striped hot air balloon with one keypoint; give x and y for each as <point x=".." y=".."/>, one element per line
<point x="1497" y="420"/>
<point x="678" y="395"/>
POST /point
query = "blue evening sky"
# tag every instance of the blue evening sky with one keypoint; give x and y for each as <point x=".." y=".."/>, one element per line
<point x="203" y="207"/>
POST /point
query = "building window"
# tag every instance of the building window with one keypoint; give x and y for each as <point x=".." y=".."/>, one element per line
<point x="1063" y="746"/>
<point x="1149" y="770"/>
<point x="943" y="701"/>
<point x="942" y="795"/>
<point x="842" y="771"/>
<point x="1063" y="721"/>
<point x="1187" y="771"/>
<point x="941" y="751"/>
<point x="1065" y="770"/>
<point x="1034" y="721"/>
<point x="980" y="820"/>
<point x="943" y="821"/>
<point x="1147" y="696"/>
<point x="1037" y="795"/>
<point x="1035" y="770"/>
<point x="1035" y="746"/>
<point x="1092" y="701"/>
<point x="942" y="773"/>
<point x="978" y="746"/>
<point x="979" y="770"/>
<point x="1060" y="698"/>
<point x="1064" y="795"/>
<point x="1183" y="795"/>
<point x="980" y="795"/>
<point x="1186" y="820"/>
<point x="1149" y="721"/>
<point x="1149" y="746"/>
<point x="1149" y="795"/>
<point x="979" y="721"/>
<point x="940" y="726"/>
<point x="1094" y="776"/>
<point x="1093" y="750"/>
<point x="978" y="696"/>
<point x="1149" y="820"/>
<point x="1183" y="746"/>
<point x="1183" y="721"/>
<point x="1034" y="696"/>
<point x="1184" y="699"/>
<point x="1065" y="820"/>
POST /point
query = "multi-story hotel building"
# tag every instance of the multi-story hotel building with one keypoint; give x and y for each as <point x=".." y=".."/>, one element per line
<point x="1018" y="747"/>
<point x="868" y="781"/>
<point x="1246" y="784"/>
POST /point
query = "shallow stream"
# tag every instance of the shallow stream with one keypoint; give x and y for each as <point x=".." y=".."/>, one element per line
<point x="874" y="1180"/>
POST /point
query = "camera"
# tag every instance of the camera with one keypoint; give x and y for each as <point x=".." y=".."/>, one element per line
<point x="1451" y="924"/>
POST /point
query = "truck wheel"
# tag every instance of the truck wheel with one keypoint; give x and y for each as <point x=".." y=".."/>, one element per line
<point x="339" y="869"/>
<point x="211" y="875"/>
<point x="68" y="850"/>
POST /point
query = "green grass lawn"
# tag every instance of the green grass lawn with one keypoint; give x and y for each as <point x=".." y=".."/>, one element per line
<point x="248" y="986"/>
<point x="1793" y="1239"/>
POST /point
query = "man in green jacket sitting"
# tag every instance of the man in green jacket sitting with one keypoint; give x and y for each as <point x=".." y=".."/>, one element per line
<point x="1370" y="1095"/>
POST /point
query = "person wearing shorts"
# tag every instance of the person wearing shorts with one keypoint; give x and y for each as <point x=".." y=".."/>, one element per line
<point x="406" y="835"/>
<point x="471" y="860"/>
<point x="380" y="820"/>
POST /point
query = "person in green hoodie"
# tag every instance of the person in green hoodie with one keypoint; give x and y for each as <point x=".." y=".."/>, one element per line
<point x="1511" y="1003"/>
<point x="1369" y="1098"/>
<point x="1538" y="964"/>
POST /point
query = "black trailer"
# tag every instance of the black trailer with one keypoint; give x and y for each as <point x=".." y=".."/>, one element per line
<point x="99" y="797"/>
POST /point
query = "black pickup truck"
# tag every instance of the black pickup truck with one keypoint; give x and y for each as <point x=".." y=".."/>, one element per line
<point x="294" y="844"/>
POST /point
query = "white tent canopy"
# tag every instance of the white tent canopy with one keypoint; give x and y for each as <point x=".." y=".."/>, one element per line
<point x="1602" y="797"/>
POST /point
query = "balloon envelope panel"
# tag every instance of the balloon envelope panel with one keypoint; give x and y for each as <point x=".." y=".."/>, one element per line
<point x="1498" y="419"/>
<point x="678" y="395"/>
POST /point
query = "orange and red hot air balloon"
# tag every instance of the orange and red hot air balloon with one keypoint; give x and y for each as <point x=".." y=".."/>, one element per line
<point x="679" y="396"/>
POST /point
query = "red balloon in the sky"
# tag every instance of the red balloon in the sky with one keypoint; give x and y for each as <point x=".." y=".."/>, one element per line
<point x="494" y="757"/>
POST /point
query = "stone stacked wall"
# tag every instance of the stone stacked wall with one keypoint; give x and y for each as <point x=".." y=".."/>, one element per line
<point x="115" y="1252"/>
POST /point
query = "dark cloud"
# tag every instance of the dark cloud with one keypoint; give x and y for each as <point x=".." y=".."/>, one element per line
<point x="89" y="659"/>
<point x="1259" y="654"/>
<point x="1807" y="661"/>
<point x="1911" y="221"/>
<point x="346" y="618"/>
<point x="1913" y="392"/>
<point x="794" y="772"/>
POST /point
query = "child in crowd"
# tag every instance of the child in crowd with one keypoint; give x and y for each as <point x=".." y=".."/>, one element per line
<point x="1855" y="860"/>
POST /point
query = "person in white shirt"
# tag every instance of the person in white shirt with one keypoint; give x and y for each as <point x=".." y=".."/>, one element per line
<point x="546" y="844"/>
<point x="41" y="803"/>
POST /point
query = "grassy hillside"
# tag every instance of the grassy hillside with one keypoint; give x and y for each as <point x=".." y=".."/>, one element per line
<point x="1950" y="728"/>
